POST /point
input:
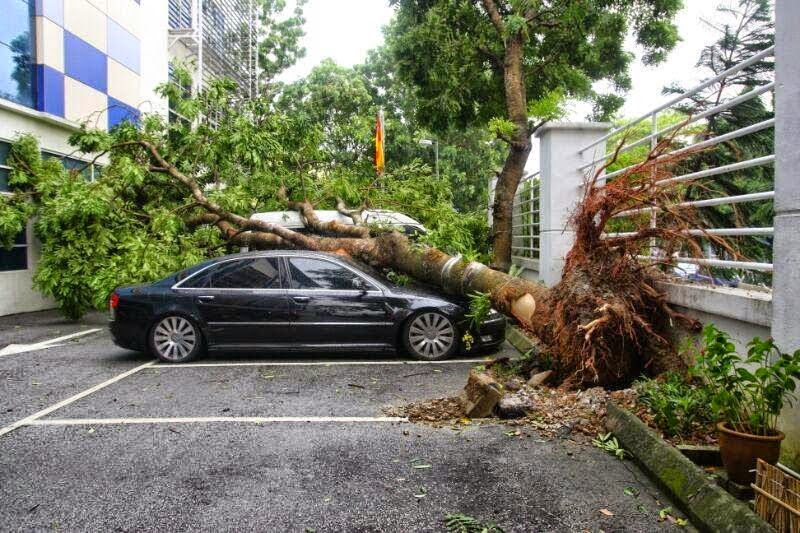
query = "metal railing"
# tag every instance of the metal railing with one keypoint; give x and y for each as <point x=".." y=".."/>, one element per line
<point x="525" y="220"/>
<point x="656" y="135"/>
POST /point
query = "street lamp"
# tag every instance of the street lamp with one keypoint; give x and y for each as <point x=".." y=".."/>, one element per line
<point x="435" y="144"/>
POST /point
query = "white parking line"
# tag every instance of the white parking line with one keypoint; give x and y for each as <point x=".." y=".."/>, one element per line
<point x="323" y="363"/>
<point x="22" y="348"/>
<point x="213" y="419"/>
<point x="27" y="420"/>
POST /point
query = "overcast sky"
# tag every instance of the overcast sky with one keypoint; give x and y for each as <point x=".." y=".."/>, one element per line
<point x="345" y="30"/>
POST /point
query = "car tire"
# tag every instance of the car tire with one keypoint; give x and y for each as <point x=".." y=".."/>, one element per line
<point x="430" y="336"/>
<point x="175" y="339"/>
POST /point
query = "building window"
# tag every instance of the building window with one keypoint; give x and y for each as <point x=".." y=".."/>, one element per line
<point x="88" y="170"/>
<point x="5" y="148"/>
<point x="16" y="52"/>
<point x="180" y="14"/>
<point x="17" y="257"/>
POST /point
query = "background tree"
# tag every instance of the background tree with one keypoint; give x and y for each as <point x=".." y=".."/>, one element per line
<point x="507" y="64"/>
<point x="279" y="43"/>
<point x="745" y="29"/>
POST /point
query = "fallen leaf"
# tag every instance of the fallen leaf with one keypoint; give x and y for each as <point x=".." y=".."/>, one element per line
<point x="606" y="512"/>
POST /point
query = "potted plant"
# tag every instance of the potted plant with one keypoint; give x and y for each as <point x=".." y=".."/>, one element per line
<point x="747" y="395"/>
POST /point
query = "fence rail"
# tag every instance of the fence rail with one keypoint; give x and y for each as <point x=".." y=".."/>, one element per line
<point x="525" y="222"/>
<point x="657" y="135"/>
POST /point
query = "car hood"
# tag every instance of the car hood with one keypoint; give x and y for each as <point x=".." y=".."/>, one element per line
<point x="426" y="291"/>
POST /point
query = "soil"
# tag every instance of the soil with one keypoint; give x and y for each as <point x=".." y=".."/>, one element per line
<point x="554" y="413"/>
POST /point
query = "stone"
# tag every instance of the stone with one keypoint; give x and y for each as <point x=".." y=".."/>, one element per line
<point x="514" y="406"/>
<point x="513" y="384"/>
<point x="540" y="378"/>
<point x="594" y="397"/>
<point x="480" y="395"/>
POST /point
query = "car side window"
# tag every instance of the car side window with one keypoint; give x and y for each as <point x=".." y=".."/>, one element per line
<point x="307" y="273"/>
<point x="254" y="273"/>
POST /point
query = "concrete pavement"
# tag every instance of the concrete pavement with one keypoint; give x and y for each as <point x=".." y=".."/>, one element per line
<point x="347" y="470"/>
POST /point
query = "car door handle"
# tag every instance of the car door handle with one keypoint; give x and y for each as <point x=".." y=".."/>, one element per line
<point x="205" y="298"/>
<point x="301" y="299"/>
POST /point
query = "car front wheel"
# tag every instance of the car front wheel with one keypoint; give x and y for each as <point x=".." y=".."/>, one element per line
<point x="430" y="336"/>
<point x="176" y="339"/>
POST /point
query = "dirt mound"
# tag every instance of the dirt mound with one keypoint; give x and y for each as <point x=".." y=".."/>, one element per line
<point x="554" y="413"/>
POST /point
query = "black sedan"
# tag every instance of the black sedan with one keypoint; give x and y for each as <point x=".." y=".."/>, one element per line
<point x="291" y="301"/>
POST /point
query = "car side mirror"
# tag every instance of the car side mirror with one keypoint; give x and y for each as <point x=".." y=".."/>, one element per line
<point x="360" y="285"/>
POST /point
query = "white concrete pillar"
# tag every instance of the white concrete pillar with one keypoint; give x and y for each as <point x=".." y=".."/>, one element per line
<point x="786" y="249"/>
<point x="786" y="252"/>
<point x="560" y="146"/>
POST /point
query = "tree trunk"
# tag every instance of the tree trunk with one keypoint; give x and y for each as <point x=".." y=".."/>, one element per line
<point x="519" y="149"/>
<point x="603" y="324"/>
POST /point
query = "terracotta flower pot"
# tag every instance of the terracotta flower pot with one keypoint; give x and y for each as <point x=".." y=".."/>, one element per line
<point x="740" y="450"/>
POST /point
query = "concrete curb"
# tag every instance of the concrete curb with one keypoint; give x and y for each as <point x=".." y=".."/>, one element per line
<point x="519" y="340"/>
<point x="708" y="505"/>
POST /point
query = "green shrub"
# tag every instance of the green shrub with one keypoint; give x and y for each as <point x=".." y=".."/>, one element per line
<point x="678" y="406"/>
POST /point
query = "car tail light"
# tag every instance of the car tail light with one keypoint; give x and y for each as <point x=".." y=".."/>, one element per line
<point x="113" y="302"/>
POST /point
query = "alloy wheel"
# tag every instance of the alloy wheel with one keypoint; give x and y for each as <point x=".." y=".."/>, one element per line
<point x="174" y="338"/>
<point x="431" y="335"/>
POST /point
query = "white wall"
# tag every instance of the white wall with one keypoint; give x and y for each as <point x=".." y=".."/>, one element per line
<point x="16" y="288"/>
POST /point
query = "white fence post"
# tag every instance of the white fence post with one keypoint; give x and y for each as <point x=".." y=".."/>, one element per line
<point x="561" y="180"/>
<point x="786" y="248"/>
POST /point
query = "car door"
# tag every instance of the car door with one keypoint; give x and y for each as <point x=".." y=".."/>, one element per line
<point x="242" y="302"/>
<point x="333" y="305"/>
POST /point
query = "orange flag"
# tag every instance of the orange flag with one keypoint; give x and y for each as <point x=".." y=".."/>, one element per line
<point x="379" y="162"/>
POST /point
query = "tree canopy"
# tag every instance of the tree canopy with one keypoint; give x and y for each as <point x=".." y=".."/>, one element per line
<point x="134" y="225"/>
<point x="508" y="64"/>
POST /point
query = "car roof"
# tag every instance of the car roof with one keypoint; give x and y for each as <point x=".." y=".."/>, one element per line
<point x="293" y="219"/>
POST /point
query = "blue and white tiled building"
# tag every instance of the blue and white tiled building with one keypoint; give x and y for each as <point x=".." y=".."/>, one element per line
<point x="66" y="62"/>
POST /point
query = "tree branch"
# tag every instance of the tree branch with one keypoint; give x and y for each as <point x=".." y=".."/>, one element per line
<point x="354" y="214"/>
<point x="494" y="16"/>
<point x="312" y="221"/>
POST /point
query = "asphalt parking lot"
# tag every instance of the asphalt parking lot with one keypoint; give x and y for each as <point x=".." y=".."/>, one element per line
<point x="96" y="438"/>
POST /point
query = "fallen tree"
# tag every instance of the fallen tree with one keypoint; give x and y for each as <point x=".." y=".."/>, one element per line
<point x="161" y="205"/>
<point x="605" y="321"/>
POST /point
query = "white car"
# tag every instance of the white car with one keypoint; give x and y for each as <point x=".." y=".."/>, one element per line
<point x="293" y="220"/>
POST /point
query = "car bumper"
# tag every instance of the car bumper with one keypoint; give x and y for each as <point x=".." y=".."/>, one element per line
<point x="491" y="334"/>
<point x="126" y="335"/>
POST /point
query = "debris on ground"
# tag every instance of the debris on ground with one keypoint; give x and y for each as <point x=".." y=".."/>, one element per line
<point x="539" y="378"/>
<point x="514" y="406"/>
<point x="551" y="412"/>
<point x="480" y="395"/>
<point x="435" y="411"/>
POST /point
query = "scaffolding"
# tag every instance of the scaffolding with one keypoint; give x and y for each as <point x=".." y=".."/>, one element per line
<point x="219" y="38"/>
